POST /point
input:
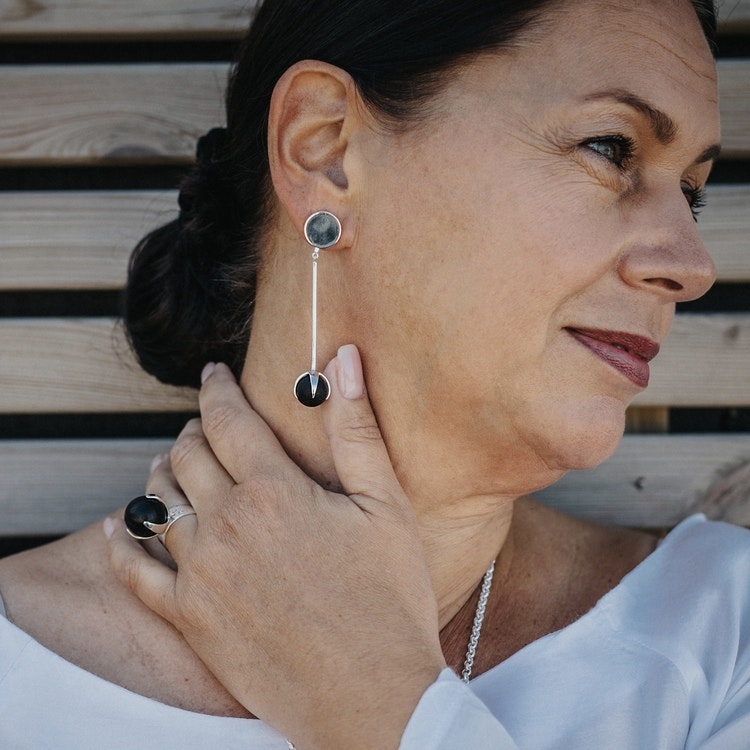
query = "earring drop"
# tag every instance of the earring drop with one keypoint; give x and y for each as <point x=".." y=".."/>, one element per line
<point x="322" y="230"/>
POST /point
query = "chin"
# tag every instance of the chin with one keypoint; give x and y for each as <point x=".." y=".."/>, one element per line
<point x="587" y="437"/>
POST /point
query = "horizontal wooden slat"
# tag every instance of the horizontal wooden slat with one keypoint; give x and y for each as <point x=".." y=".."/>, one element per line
<point x="23" y="20"/>
<point x="734" y="16"/>
<point x="704" y="362"/>
<point x="153" y="113"/>
<point x="108" y="114"/>
<point x="53" y="487"/>
<point x="734" y="98"/>
<point x="72" y="240"/>
<point x="655" y="481"/>
<point x="71" y="365"/>
<point x="725" y="227"/>
<point x="114" y="19"/>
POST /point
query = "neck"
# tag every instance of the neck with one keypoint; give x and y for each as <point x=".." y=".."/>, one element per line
<point x="464" y="520"/>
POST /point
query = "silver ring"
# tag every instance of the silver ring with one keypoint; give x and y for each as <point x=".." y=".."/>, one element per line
<point x="173" y="514"/>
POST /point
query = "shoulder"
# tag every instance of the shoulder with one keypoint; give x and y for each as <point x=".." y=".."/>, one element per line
<point x="699" y="563"/>
<point x="706" y="557"/>
<point x="65" y="597"/>
<point x="690" y="601"/>
<point x="64" y="593"/>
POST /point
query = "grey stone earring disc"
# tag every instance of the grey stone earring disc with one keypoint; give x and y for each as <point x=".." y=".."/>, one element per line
<point x="322" y="230"/>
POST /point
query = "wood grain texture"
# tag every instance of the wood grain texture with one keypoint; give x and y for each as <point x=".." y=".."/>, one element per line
<point x="734" y="99"/>
<point x="195" y="19"/>
<point x="704" y="362"/>
<point x="108" y="114"/>
<point x="53" y="487"/>
<point x="725" y="228"/>
<point x="72" y="365"/>
<point x="71" y="240"/>
<point x="119" y="114"/>
<point x="734" y="16"/>
<point x="33" y="20"/>
<point x="82" y="240"/>
<point x="655" y="481"/>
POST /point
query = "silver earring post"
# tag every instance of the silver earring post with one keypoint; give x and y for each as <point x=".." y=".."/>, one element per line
<point x="322" y="230"/>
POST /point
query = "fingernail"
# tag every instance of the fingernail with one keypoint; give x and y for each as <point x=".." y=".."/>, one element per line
<point x="350" y="380"/>
<point x="109" y="527"/>
<point x="207" y="370"/>
<point x="156" y="461"/>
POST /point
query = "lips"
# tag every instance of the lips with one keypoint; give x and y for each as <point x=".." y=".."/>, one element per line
<point x="625" y="352"/>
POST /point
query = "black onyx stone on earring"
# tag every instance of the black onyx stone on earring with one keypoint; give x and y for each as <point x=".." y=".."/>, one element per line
<point x="312" y="390"/>
<point x="144" y="508"/>
<point x="322" y="230"/>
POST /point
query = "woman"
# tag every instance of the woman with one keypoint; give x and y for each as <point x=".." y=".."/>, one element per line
<point x="514" y="188"/>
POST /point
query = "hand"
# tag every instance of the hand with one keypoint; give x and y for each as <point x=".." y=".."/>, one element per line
<point x="314" y="609"/>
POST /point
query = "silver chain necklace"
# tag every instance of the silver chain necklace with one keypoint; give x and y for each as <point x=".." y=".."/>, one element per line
<point x="476" y="629"/>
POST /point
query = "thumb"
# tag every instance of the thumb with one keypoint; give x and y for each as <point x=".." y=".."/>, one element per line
<point x="359" y="453"/>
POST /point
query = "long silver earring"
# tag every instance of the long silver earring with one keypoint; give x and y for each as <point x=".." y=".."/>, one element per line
<point x="322" y="230"/>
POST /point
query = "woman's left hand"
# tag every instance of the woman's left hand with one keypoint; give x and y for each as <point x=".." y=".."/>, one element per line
<point x="314" y="609"/>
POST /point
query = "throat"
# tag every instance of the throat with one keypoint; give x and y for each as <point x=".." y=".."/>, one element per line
<point x="450" y="636"/>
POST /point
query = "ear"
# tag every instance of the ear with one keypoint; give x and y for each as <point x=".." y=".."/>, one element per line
<point x="315" y="108"/>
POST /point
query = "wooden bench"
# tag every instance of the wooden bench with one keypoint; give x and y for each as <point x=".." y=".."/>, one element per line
<point x="136" y="115"/>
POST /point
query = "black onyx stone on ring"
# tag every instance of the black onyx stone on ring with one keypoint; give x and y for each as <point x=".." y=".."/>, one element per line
<point x="144" y="508"/>
<point x="303" y="389"/>
<point x="322" y="230"/>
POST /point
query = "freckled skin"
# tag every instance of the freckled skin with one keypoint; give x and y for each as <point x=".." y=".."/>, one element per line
<point x="482" y="234"/>
<point x="516" y="231"/>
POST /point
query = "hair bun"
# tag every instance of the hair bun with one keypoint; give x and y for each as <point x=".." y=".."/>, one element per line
<point x="211" y="146"/>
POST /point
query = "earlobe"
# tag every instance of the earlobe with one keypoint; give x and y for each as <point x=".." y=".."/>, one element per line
<point x="310" y="123"/>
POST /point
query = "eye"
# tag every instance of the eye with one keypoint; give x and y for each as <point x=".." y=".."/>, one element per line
<point x="696" y="198"/>
<point x="617" y="149"/>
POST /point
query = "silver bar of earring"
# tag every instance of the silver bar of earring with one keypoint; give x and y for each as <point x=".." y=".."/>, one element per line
<point x="322" y="230"/>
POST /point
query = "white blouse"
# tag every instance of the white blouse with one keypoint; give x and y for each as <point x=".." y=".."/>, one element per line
<point x="661" y="662"/>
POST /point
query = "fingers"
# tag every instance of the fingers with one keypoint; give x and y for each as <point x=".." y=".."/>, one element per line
<point x="242" y="442"/>
<point x="193" y="471"/>
<point x="150" y="580"/>
<point x="179" y="537"/>
<point x="359" y="453"/>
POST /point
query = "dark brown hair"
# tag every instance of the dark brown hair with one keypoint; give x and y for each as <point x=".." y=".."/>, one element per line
<point x="191" y="284"/>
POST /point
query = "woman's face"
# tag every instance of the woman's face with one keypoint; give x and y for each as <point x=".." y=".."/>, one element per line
<point x="521" y="252"/>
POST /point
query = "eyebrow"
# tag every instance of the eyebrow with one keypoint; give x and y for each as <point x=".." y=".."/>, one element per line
<point x="664" y="127"/>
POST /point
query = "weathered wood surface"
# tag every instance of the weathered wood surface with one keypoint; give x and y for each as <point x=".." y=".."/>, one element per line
<point x="115" y="114"/>
<point x="53" y="487"/>
<point x="32" y="20"/>
<point x="144" y="19"/>
<point x="734" y="99"/>
<point x="57" y="486"/>
<point x="82" y="240"/>
<point x="73" y="366"/>
<point x="725" y="227"/>
<point x="84" y="365"/>
<point x="655" y="481"/>
<point x="71" y="240"/>
<point x="108" y="114"/>
<point x="704" y="362"/>
<point x="734" y="16"/>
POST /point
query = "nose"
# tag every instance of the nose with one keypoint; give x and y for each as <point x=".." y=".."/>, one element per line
<point x="667" y="256"/>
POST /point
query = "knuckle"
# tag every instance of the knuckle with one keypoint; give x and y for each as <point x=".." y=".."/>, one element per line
<point x="129" y="573"/>
<point x="186" y="446"/>
<point x="220" y="419"/>
<point x="360" y="429"/>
